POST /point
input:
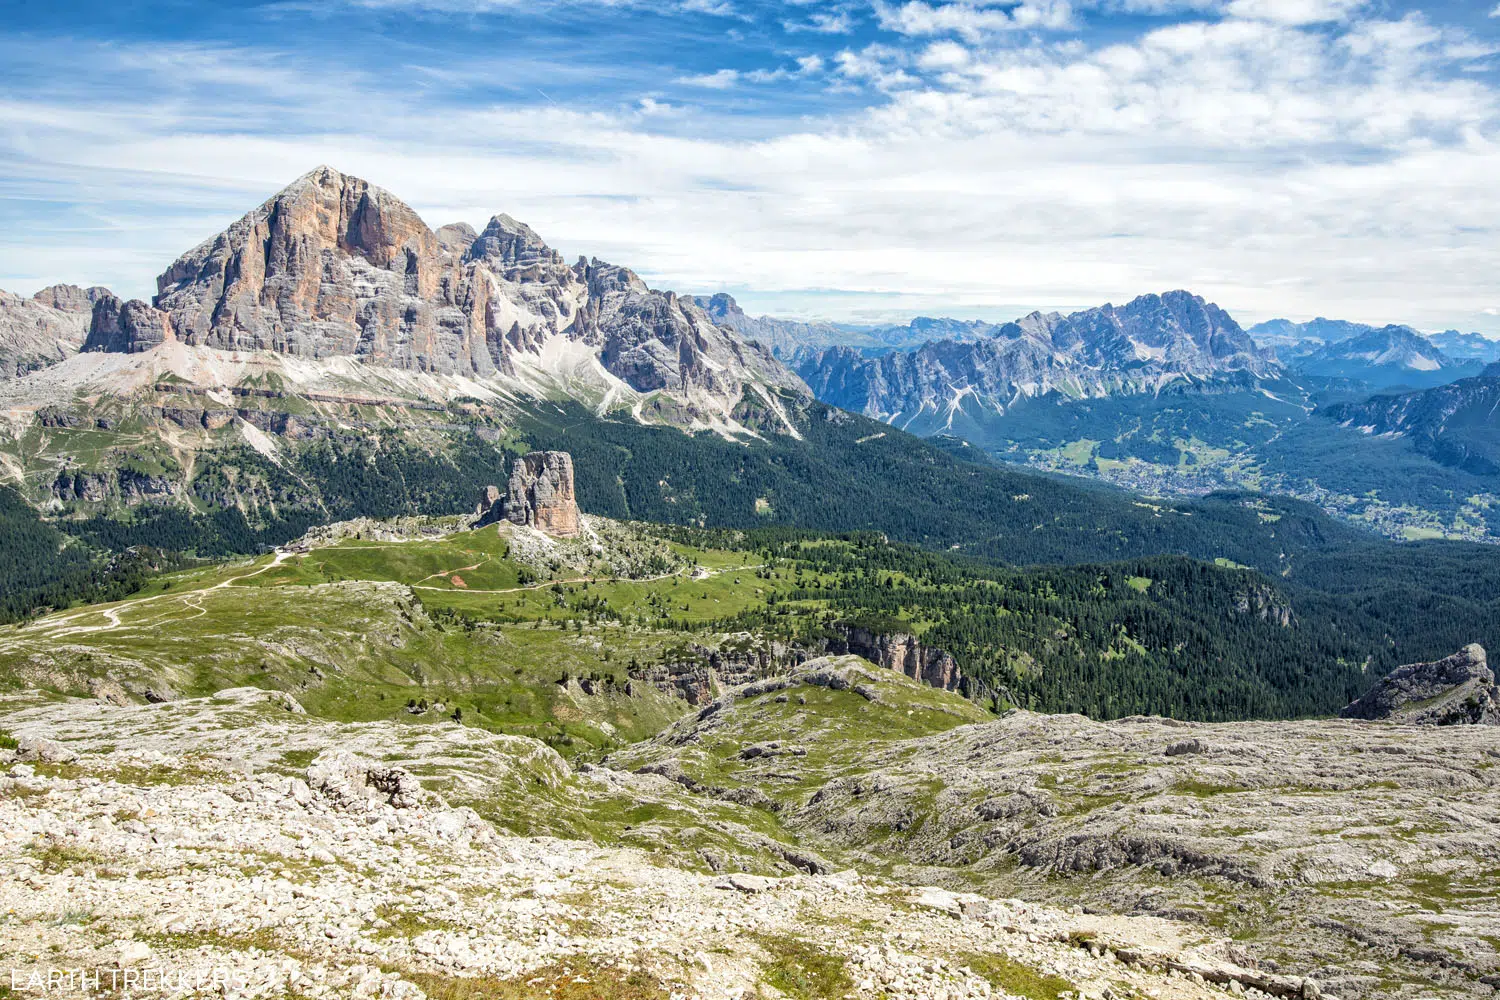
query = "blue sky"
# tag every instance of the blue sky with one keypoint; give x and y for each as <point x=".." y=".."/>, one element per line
<point x="851" y="160"/>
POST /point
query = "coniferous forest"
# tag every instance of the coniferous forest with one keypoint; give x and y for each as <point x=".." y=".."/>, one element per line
<point x="1050" y="594"/>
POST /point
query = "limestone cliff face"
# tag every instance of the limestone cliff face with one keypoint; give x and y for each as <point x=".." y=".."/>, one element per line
<point x="698" y="674"/>
<point x="44" y="329"/>
<point x="902" y="652"/>
<point x="1457" y="690"/>
<point x="334" y="266"/>
<point x="126" y="327"/>
<point x="540" y="494"/>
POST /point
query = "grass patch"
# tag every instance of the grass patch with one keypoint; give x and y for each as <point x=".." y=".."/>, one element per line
<point x="57" y="857"/>
<point x="404" y="923"/>
<point x="297" y="760"/>
<point x="184" y="773"/>
<point x="802" y="970"/>
<point x="1017" y="979"/>
<point x="580" y="979"/>
<point x="263" y="940"/>
<point x="1203" y="789"/>
<point x="7" y="741"/>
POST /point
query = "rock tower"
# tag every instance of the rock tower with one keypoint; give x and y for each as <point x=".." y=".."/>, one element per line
<point x="539" y="495"/>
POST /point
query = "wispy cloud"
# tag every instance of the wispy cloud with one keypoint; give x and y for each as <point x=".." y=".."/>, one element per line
<point x="1295" y="11"/>
<point x="838" y="22"/>
<point x="1299" y="160"/>
<point x="718" y="80"/>
<point x="973" y="20"/>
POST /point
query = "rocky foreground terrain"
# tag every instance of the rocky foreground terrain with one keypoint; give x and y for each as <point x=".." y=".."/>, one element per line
<point x="235" y="845"/>
<point x="1365" y="853"/>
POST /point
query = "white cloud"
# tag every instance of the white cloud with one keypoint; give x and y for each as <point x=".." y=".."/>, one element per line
<point x="723" y="79"/>
<point x="1496" y="11"/>
<point x="973" y="20"/>
<point x="1341" y="169"/>
<point x="1295" y="11"/>
<point x="838" y="22"/>
<point x="944" y="55"/>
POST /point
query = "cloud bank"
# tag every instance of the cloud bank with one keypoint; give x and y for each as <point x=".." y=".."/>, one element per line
<point x="1297" y="157"/>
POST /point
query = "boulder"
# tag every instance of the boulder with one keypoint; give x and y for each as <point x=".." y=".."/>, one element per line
<point x="357" y="784"/>
<point x="43" y="751"/>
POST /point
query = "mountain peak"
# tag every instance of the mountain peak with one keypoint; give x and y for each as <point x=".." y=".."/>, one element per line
<point x="332" y="266"/>
<point x="509" y="243"/>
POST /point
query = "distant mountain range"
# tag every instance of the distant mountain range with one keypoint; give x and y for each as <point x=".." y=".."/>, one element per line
<point x="1168" y="395"/>
<point x="1139" y="347"/>
<point x="1456" y="424"/>
<point x="1389" y="356"/>
<point x="251" y="383"/>
<point x="1467" y="345"/>
<point x="783" y="336"/>
<point x="791" y="339"/>
<point x="1286" y="333"/>
<point x="1385" y="356"/>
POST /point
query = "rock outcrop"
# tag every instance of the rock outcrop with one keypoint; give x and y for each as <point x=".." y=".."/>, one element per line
<point x="1457" y="690"/>
<point x="333" y="266"/>
<point x="126" y="327"/>
<point x="540" y="494"/>
<point x="697" y="673"/>
<point x="44" y="329"/>
<point x="901" y="652"/>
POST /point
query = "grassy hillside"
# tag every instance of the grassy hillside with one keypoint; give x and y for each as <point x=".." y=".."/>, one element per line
<point x="177" y="487"/>
<point x="604" y="639"/>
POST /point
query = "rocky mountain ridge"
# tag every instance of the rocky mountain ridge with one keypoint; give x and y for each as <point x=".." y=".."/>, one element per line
<point x="1467" y="345"/>
<point x="1150" y="342"/>
<point x="334" y="269"/>
<point x="785" y="337"/>
<point x="794" y="339"/>
<point x="46" y="328"/>
<point x="1457" y="424"/>
<point x="1394" y="354"/>
<point x="1391" y="355"/>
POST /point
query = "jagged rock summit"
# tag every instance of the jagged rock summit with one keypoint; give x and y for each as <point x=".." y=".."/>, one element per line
<point x="333" y="266"/>
<point x="540" y="495"/>
<point x="1457" y="690"/>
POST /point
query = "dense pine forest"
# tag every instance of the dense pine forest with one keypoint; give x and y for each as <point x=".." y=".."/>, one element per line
<point x="1164" y="635"/>
<point x="42" y="567"/>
